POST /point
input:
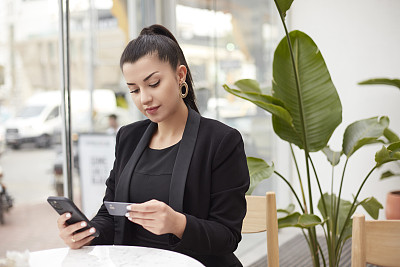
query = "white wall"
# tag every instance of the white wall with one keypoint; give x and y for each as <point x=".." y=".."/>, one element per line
<point x="359" y="39"/>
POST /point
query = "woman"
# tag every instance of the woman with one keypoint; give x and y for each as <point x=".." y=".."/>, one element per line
<point x="186" y="174"/>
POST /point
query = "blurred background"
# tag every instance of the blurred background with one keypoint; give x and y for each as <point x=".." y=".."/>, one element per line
<point x="223" y="41"/>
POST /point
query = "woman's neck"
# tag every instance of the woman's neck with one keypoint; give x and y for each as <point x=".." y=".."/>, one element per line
<point x="170" y="131"/>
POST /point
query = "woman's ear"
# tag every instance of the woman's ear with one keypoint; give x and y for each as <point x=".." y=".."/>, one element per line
<point x="181" y="73"/>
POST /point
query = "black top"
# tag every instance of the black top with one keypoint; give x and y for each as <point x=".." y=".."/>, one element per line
<point x="151" y="180"/>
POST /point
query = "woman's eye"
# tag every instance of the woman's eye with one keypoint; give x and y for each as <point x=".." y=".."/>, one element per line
<point x="155" y="84"/>
<point x="134" y="91"/>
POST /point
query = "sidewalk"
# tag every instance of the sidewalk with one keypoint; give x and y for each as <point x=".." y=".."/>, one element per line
<point x="29" y="227"/>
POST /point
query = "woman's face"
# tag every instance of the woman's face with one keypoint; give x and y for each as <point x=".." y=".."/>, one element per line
<point x="154" y="87"/>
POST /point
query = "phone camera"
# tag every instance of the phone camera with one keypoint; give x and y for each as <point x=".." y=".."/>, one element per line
<point x="56" y="205"/>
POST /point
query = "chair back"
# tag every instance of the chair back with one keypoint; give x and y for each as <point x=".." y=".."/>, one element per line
<point x="261" y="216"/>
<point x="375" y="242"/>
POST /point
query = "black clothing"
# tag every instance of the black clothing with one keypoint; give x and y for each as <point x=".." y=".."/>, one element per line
<point x="151" y="180"/>
<point x="208" y="185"/>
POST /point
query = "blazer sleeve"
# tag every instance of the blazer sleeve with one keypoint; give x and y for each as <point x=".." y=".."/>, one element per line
<point x="103" y="221"/>
<point x="220" y="233"/>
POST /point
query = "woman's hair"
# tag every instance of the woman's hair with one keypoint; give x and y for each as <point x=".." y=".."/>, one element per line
<point x="159" y="40"/>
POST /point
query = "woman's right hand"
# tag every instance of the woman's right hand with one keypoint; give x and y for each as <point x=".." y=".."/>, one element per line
<point x="68" y="235"/>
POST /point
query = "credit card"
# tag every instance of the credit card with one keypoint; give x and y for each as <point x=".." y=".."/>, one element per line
<point x="116" y="208"/>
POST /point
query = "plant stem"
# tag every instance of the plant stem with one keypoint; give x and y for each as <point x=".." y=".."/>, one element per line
<point x="332" y="254"/>
<point x="328" y="238"/>
<point x="336" y="214"/>
<point x="314" y="246"/>
<point x="291" y="188"/>
<point x="352" y="205"/>
<point x="322" y="254"/>
<point x="299" y="101"/>
<point x="301" y="112"/>
<point x="300" y="181"/>
<point x="313" y="234"/>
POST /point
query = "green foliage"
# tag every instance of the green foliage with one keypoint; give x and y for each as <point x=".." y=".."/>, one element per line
<point x="388" y="154"/>
<point x="259" y="170"/>
<point x="284" y="6"/>
<point x="363" y="132"/>
<point x="332" y="156"/>
<point x="382" y="81"/>
<point x="306" y="110"/>
<point x="316" y="102"/>
<point x="388" y="174"/>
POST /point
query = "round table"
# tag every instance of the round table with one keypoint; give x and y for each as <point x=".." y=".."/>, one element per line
<point x="110" y="256"/>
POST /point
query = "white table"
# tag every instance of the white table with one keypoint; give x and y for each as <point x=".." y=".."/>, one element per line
<point x="115" y="256"/>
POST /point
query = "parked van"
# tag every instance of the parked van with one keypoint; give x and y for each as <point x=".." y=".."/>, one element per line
<point x="36" y="121"/>
<point x="39" y="121"/>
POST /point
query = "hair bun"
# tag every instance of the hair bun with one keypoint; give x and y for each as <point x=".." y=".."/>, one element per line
<point x="157" y="29"/>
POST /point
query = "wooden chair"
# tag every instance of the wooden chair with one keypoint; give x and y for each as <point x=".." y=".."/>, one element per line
<point x="375" y="242"/>
<point x="262" y="216"/>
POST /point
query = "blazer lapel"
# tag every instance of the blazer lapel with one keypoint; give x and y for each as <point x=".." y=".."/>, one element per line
<point x="121" y="237"/>
<point x="182" y="161"/>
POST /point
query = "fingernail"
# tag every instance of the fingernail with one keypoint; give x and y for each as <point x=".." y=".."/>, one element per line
<point x="68" y="215"/>
<point x="128" y="207"/>
<point x="83" y="224"/>
<point x="92" y="230"/>
<point x="127" y="214"/>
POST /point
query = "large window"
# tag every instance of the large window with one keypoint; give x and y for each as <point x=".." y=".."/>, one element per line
<point x="225" y="41"/>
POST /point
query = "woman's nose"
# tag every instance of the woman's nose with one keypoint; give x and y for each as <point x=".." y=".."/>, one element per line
<point x="145" y="97"/>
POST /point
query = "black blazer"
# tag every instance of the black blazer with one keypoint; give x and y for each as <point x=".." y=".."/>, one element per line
<point x="208" y="185"/>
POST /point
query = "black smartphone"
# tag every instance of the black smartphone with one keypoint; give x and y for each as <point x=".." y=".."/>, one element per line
<point x="63" y="205"/>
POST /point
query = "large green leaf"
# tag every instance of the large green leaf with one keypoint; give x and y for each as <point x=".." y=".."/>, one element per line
<point x="250" y="90"/>
<point x="332" y="156"/>
<point x="309" y="220"/>
<point x="290" y="220"/>
<point x="299" y="220"/>
<point x="363" y="132"/>
<point x="284" y="6"/>
<point x="331" y="203"/>
<point x="391" y="153"/>
<point x="259" y="170"/>
<point x="372" y="207"/>
<point x="316" y="100"/>
<point x="393" y="82"/>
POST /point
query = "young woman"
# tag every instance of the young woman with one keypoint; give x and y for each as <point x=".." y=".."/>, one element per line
<point x="186" y="174"/>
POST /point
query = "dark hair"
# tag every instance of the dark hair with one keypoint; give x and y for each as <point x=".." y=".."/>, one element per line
<point x="158" y="39"/>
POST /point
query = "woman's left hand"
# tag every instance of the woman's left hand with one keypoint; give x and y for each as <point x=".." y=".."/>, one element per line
<point x="157" y="217"/>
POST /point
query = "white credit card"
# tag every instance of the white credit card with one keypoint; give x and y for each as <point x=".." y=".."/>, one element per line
<point x="116" y="208"/>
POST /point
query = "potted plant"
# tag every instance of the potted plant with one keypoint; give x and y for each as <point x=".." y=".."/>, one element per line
<point x="392" y="208"/>
<point x="306" y="110"/>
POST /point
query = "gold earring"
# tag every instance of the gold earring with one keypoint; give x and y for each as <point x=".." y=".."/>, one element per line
<point x="184" y="84"/>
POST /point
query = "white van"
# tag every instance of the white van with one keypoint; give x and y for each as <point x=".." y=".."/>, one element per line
<point x="40" y="119"/>
<point x="36" y="121"/>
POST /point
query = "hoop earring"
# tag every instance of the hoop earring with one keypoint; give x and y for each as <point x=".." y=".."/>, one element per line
<point x="184" y="84"/>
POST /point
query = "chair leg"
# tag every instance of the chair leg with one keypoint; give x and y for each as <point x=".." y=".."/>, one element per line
<point x="272" y="231"/>
<point x="358" y="256"/>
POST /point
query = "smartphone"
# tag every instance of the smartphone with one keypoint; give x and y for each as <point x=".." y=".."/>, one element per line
<point x="116" y="208"/>
<point x="63" y="205"/>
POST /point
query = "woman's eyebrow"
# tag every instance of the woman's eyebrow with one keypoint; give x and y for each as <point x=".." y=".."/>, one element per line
<point x="145" y="79"/>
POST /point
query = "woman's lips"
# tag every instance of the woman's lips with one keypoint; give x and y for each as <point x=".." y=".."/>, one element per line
<point x="152" y="110"/>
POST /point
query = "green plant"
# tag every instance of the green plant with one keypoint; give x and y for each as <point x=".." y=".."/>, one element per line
<point x="306" y="110"/>
<point x="391" y="136"/>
